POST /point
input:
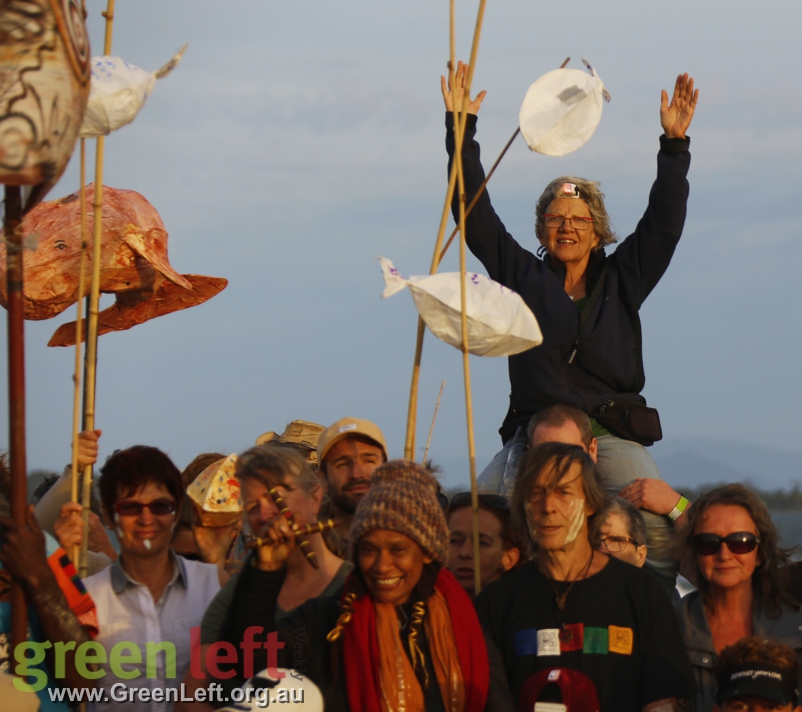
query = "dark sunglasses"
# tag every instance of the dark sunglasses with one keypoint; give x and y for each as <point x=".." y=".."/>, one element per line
<point x="158" y="508"/>
<point x="737" y="543"/>
<point x="463" y="499"/>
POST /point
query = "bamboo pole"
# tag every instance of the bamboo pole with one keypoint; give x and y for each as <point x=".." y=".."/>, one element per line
<point x="434" y="420"/>
<point x="412" y="411"/>
<point x="76" y="398"/>
<point x="90" y="365"/>
<point x="466" y="369"/>
<point x="12" y="221"/>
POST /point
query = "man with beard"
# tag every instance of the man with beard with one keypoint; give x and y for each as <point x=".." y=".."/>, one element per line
<point x="347" y="452"/>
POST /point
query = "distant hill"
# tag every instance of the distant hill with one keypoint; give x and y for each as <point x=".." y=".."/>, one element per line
<point x="692" y="462"/>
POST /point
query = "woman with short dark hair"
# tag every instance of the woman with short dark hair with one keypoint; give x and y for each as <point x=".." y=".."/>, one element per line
<point x="730" y="550"/>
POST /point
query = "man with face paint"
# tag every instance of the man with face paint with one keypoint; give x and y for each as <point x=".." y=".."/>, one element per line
<point x="149" y="595"/>
<point x="576" y="607"/>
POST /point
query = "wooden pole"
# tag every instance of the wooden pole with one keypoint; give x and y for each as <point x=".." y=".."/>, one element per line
<point x="12" y="221"/>
<point x="434" y="420"/>
<point x="466" y="369"/>
<point x="90" y="365"/>
<point x="412" y="411"/>
<point x="76" y="398"/>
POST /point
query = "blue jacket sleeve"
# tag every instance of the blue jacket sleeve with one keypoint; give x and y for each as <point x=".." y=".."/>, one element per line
<point x="503" y="258"/>
<point x="644" y="256"/>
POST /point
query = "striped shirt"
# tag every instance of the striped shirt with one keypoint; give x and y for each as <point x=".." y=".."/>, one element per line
<point x="127" y="613"/>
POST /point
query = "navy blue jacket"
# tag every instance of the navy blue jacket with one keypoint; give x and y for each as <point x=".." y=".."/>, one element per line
<point x="608" y="360"/>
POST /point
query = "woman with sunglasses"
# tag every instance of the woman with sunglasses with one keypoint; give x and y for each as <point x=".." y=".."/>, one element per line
<point x="730" y="550"/>
<point x="150" y="595"/>
<point x="500" y="546"/>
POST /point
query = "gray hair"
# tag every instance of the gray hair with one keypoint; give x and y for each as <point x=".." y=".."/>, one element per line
<point x="590" y="193"/>
<point x="636" y="527"/>
<point x="274" y="465"/>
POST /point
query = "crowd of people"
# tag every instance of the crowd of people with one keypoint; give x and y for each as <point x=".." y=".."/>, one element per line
<point x="389" y="617"/>
<point x="314" y="554"/>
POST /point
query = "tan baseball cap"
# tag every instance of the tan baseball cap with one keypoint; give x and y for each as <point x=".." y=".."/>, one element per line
<point x="301" y="433"/>
<point x="349" y="428"/>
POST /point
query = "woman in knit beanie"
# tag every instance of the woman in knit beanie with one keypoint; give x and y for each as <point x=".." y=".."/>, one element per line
<point x="405" y="636"/>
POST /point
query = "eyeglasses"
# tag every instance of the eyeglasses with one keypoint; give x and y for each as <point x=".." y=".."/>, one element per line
<point x="463" y="499"/>
<point x="158" y="508"/>
<point x="577" y="223"/>
<point x="616" y="544"/>
<point x="737" y="543"/>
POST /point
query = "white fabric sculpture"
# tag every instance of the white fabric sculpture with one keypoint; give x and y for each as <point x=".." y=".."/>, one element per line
<point x="561" y="110"/>
<point x="499" y="322"/>
<point x="117" y="91"/>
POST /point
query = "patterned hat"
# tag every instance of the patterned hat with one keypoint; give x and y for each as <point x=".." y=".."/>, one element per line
<point x="403" y="498"/>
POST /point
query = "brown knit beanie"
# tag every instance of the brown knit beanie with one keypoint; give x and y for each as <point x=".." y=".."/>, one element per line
<point x="403" y="498"/>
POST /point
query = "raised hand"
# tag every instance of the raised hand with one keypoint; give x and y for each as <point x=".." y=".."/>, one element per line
<point x="69" y="528"/>
<point x="653" y="495"/>
<point x="277" y="543"/>
<point x="88" y="447"/>
<point x="675" y="117"/>
<point x="458" y="91"/>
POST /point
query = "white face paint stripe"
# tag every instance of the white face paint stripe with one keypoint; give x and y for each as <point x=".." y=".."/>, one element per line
<point x="576" y="521"/>
<point x="147" y="544"/>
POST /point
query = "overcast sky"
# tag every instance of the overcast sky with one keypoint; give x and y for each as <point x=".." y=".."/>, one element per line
<point x="297" y="141"/>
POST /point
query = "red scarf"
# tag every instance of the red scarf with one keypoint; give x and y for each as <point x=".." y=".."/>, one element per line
<point x="361" y="649"/>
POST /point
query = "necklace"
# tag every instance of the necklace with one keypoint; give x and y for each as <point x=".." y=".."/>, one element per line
<point x="560" y="598"/>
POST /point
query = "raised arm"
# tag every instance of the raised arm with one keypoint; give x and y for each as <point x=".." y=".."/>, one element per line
<point x="645" y="255"/>
<point x="503" y="258"/>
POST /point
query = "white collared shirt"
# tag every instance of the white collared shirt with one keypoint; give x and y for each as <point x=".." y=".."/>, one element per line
<point x="127" y="612"/>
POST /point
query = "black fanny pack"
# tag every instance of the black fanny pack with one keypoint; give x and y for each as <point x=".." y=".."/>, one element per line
<point x="630" y="420"/>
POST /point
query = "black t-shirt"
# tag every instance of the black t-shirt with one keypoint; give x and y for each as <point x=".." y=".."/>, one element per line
<point x="618" y="628"/>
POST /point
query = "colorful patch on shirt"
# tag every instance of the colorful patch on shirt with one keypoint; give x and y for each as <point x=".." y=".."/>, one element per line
<point x="572" y="637"/>
<point x="524" y="642"/>
<point x="548" y="642"/>
<point x="595" y="641"/>
<point x="621" y="640"/>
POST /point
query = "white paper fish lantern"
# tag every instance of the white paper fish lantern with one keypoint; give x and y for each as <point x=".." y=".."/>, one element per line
<point x="44" y="83"/>
<point x="499" y="322"/>
<point x="561" y="110"/>
<point x="118" y="91"/>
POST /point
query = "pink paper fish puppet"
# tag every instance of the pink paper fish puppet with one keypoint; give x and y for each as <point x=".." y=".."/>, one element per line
<point x="134" y="264"/>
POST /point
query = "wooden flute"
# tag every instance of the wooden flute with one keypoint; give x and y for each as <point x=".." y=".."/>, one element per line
<point x="254" y="542"/>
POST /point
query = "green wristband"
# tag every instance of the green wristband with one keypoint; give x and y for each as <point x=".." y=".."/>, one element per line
<point x="679" y="508"/>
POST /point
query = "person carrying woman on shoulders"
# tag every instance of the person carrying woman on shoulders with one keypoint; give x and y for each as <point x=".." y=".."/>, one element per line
<point x="405" y="634"/>
<point x="730" y="552"/>
<point x="586" y="301"/>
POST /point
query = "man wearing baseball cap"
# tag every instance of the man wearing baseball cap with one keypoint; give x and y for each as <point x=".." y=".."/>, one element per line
<point x="347" y="453"/>
<point x="758" y="675"/>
